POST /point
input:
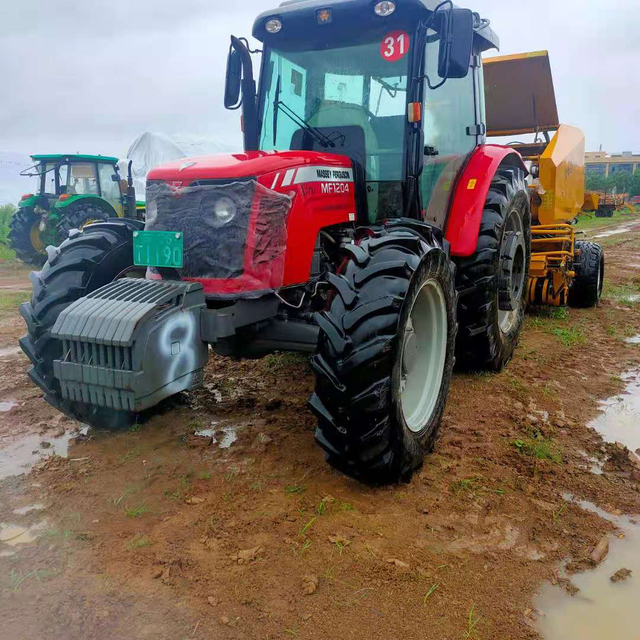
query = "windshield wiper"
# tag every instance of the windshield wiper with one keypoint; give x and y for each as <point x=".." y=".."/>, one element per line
<point x="278" y="105"/>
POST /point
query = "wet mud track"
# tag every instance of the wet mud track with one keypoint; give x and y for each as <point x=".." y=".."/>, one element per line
<point x="216" y="516"/>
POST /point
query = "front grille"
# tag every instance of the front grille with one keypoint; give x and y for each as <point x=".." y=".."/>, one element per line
<point x="211" y="250"/>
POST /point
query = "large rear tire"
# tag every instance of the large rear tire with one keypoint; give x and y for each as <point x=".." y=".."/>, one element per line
<point x="586" y="288"/>
<point x="492" y="282"/>
<point x="385" y="356"/>
<point x="84" y="262"/>
<point x="25" y="238"/>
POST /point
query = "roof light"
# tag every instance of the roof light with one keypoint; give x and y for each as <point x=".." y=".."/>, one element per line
<point x="384" y="9"/>
<point x="273" y="26"/>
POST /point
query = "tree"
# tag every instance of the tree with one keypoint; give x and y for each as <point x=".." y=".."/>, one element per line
<point x="622" y="179"/>
<point x="634" y="184"/>
<point x="595" y="182"/>
<point x="6" y="211"/>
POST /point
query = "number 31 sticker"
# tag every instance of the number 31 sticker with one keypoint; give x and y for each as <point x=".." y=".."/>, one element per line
<point x="395" y="46"/>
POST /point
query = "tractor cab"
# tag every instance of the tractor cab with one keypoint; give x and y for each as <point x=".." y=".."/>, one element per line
<point x="69" y="191"/>
<point x="395" y="87"/>
<point x="60" y="177"/>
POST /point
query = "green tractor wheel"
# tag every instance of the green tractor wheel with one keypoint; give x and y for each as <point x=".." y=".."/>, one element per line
<point x="78" y="216"/>
<point x="26" y="238"/>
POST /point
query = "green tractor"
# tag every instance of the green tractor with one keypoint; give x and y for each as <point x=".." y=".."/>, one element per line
<point x="71" y="192"/>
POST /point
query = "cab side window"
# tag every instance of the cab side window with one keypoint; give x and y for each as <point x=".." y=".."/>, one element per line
<point x="448" y="111"/>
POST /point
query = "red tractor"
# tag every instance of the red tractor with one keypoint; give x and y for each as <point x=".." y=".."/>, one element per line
<point x="366" y="222"/>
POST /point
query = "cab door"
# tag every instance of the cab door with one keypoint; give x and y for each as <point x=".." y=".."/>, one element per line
<point x="109" y="189"/>
<point x="451" y="121"/>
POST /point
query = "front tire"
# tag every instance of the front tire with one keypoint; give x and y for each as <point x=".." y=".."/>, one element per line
<point x="492" y="282"/>
<point x="78" y="215"/>
<point x="385" y="356"/>
<point x="25" y="238"/>
<point x="586" y="289"/>
<point x="83" y="263"/>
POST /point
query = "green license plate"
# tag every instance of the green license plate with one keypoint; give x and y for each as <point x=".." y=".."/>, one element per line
<point x="157" y="249"/>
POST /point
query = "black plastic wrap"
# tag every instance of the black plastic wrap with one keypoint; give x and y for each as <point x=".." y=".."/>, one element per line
<point x="232" y="230"/>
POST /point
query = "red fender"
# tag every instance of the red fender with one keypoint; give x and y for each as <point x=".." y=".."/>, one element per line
<point x="465" y="214"/>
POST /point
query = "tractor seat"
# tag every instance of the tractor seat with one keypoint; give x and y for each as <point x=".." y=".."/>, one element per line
<point x="331" y="113"/>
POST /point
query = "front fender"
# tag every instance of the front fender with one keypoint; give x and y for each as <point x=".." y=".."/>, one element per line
<point x="470" y="195"/>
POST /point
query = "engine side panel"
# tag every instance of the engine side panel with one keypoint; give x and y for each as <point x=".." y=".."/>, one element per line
<point x="322" y="196"/>
<point x="470" y="194"/>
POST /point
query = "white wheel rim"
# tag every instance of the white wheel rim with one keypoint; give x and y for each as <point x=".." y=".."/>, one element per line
<point x="509" y="319"/>
<point x="422" y="355"/>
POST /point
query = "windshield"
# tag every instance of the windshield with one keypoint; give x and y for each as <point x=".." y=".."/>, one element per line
<point x="354" y="96"/>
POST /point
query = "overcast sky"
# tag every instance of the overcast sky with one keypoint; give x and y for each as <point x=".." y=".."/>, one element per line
<point x="89" y="75"/>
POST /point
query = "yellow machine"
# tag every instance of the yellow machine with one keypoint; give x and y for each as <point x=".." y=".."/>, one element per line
<point x="591" y="201"/>
<point x="520" y="99"/>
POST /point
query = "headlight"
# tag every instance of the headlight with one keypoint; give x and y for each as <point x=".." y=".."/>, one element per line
<point x="273" y="26"/>
<point x="385" y="8"/>
<point x="225" y="210"/>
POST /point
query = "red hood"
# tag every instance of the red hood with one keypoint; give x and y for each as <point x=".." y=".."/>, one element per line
<point x="241" y="165"/>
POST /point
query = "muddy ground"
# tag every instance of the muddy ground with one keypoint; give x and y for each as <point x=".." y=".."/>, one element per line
<point x="154" y="533"/>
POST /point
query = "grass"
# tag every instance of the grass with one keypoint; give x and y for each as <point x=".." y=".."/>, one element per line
<point x="132" y="453"/>
<point x="627" y="294"/>
<point x="570" y="336"/>
<point x="306" y="527"/>
<point x="588" y="221"/>
<point x="294" y="489"/>
<point x="429" y="593"/>
<point x="474" y="486"/>
<point x="278" y="360"/>
<point x="136" y="512"/>
<point x="472" y="622"/>
<point x="538" y="447"/>
<point x="17" y="578"/>
<point x="138" y="542"/>
<point x="11" y="301"/>
<point x="559" y="513"/>
<point x="204" y="475"/>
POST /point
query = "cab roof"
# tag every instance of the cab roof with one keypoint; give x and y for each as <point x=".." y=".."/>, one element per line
<point x="74" y="157"/>
<point x="351" y="21"/>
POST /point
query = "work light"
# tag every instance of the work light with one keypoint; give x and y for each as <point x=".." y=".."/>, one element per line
<point x="384" y="9"/>
<point x="273" y="26"/>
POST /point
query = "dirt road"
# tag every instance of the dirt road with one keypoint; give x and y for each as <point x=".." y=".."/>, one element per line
<point x="244" y="532"/>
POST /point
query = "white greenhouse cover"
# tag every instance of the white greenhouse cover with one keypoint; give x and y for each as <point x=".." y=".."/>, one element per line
<point x="151" y="149"/>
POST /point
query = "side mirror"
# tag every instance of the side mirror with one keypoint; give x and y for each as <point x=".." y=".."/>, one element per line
<point x="456" y="43"/>
<point x="233" y="80"/>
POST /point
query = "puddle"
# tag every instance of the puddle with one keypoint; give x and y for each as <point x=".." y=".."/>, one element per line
<point x="620" y="417"/>
<point x="592" y="463"/>
<point x="10" y="351"/>
<point x="7" y="405"/>
<point x="18" y="457"/>
<point x="228" y="437"/>
<point x="601" y="609"/>
<point x="616" y="231"/>
<point x="223" y="437"/>
<point x="13" y="534"/>
<point x="634" y="340"/>
<point x="31" y="507"/>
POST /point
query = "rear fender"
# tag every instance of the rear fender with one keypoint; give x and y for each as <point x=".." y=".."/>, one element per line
<point x="470" y="195"/>
<point x="87" y="199"/>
